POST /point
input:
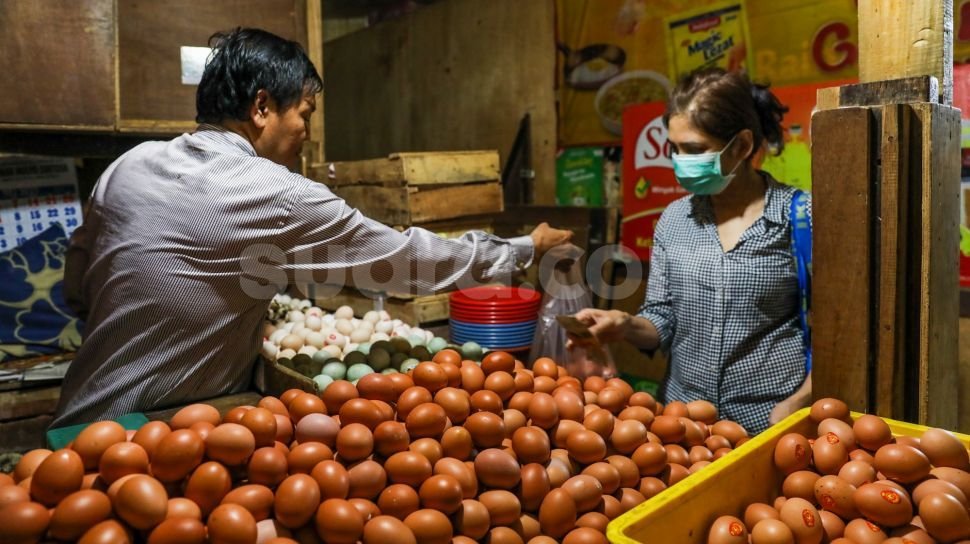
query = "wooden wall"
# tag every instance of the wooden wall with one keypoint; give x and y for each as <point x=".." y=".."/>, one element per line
<point x="964" y="402"/>
<point x="454" y="75"/>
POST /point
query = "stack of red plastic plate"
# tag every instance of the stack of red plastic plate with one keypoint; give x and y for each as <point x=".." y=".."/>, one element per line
<point x="495" y="317"/>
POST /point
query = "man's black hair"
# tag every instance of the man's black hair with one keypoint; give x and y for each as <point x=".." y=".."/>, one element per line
<point x="246" y="60"/>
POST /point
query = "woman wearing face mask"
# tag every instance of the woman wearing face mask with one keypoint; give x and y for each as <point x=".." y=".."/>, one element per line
<point x="722" y="296"/>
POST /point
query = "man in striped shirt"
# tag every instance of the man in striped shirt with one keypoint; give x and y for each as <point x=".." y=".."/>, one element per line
<point x="186" y="241"/>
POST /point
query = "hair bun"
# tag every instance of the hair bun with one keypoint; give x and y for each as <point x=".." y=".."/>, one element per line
<point x="770" y="113"/>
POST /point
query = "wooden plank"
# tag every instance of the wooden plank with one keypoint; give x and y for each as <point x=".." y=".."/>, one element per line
<point x="439" y="79"/>
<point x="314" y="44"/>
<point x="907" y="38"/>
<point x="400" y="169"/>
<point x="892" y="258"/>
<point x="939" y="305"/>
<point x="413" y="310"/>
<point x="151" y="33"/>
<point x="22" y="435"/>
<point x="841" y="303"/>
<point x="964" y="376"/>
<point x="156" y="127"/>
<point x="223" y="404"/>
<point x="23" y="403"/>
<point x="273" y="379"/>
<point x="58" y="59"/>
<point x="877" y="93"/>
<point x="388" y="205"/>
<point x="455" y="201"/>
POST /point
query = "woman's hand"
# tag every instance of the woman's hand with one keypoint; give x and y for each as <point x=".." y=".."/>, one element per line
<point x="800" y="399"/>
<point x="606" y="325"/>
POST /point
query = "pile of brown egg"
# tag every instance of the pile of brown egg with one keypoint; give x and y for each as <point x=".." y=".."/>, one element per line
<point x="852" y="482"/>
<point x="453" y="452"/>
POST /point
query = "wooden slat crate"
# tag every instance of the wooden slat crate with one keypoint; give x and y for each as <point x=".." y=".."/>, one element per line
<point x="411" y="188"/>
<point x="411" y="309"/>
<point x="273" y="379"/>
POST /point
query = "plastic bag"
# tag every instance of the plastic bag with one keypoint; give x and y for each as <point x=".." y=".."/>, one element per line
<point x="560" y="274"/>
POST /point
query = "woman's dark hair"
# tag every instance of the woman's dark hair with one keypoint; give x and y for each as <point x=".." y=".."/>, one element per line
<point x="246" y="60"/>
<point x="723" y="104"/>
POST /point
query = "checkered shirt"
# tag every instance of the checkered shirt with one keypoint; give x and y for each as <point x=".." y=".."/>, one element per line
<point x="728" y="320"/>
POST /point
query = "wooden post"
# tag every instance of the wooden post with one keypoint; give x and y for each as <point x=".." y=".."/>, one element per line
<point x="314" y="25"/>
<point x="906" y="38"/>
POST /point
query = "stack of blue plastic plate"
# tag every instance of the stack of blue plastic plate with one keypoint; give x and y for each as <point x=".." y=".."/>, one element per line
<point x="495" y="317"/>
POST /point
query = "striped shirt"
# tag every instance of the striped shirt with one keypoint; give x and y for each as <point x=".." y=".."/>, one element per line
<point x="187" y="242"/>
<point x="729" y="320"/>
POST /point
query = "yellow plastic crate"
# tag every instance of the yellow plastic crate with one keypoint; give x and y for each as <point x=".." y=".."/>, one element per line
<point x="684" y="513"/>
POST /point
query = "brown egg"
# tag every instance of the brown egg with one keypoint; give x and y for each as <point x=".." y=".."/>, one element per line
<point x="441" y="492"/>
<point x="258" y="499"/>
<point x="836" y="495"/>
<point x="304" y="404"/>
<point x="569" y="404"/>
<point x="861" y="531"/>
<point x="934" y="485"/>
<point x="825" y="408"/>
<point x="232" y="416"/>
<point x="943" y="449"/>
<point x="463" y="475"/>
<point x="230" y="524"/>
<point x="501" y="383"/>
<point x="792" y="453"/>
<point x="520" y="401"/>
<point x="472" y="377"/>
<point x="262" y="424"/>
<point x="332" y="478"/>
<point x="391" y="437"/>
<point x="911" y="534"/>
<point x="955" y="476"/>
<point x="841" y="429"/>
<point x="354" y="442"/>
<point x="702" y="410"/>
<point x="202" y="428"/>
<point x="611" y="399"/>
<point x="903" y="464"/>
<point x="177" y="454"/>
<point x="610" y="507"/>
<point x="800" y="484"/>
<point x="730" y="430"/>
<point x="360" y="411"/>
<point x="543" y="384"/>
<point x="586" y="492"/>
<point x="296" y="501"/>
<point x="487" y="429"/>
<point x="184" y="418"/>
<point x="871" y="432"/>
<point x="700" y="454"/>
<point x="675" y="473"/>
<point x="944" y="517"/>
<point x="447" y="356"/>
<point x="24" y="522"/>
<point x="456" y="403"/>
<point x="398" y="500"/>
<point x="274" y="405"/>
<point x="383" y="529"/>
<point x="486" y="401"/>
<point x="207" y="486"/>
<point x="527" y="526"/>
<point x="629" y="472"/>
<point x="230" y="443"/>
<point x="399" y="384"/>
<point x="430" y="526"/>
<point x="317" y="428"/>
<point x="772" y="531"/>
<point x="557" y="514"/>
<point x="77" y="513"/>
<point x="650" y="459"/>
<point x="497" y="361"/>
<point x="178" y="531"/>
<point x="514" y="420"/>
<point x="560" y="432"/>
<point x="472" y="519"/>
<point x="180" y="507"/>
<point x="535" y="486"/>
<point x="376" y="387"/>
<point x="832" y="525"/>
<point x="829" y="454"/>
<point x="58" y="475"/>
<point x="11" y="494"/>
<point x="287" y="397"/>
<point x="430" y="376"/>
<point x="503" y="535"/>
<point x="497" y="469"/>
<point x="629" y="498"/>
<point x="600" y="422"/>
<point x="429" y="448"/>
<point x="586" y="446"/>
<point x="141" y="502"/>
<point x="884" y="505"/>
<point x="544" y="366"/>
<point x="367" y="479"/>
<point x="628" y="435"/>
<point x="727" y="530"/>
<point x="802" y="518"/>
<point x="651" y="487"/>
<point x="367" y="509"/>
<point x="336" y="394"/>
<point x="677" y="455"/>
<point x="386" y="410"/>
<point x="857" y="473"/>
<point x="121" y="459"/>
<point x="669" y="428"/>
<point x="756" y="512"/>
<point x="593" y="520"/>
<point x="503" y="507"/>
<point x="268" y="466"/>
<point x="457" y="442"/>
<point x="559" y="470"/>
<point x="107" y="532"/>
<point x="284" y="429"/>
<point x="28" y="464"/>
<point x="531" y="445"/>
<point x="91" y="442"/>
<point x="426" y="420"/>
<point x="524" y="382"/>
<point x="408" y="468"/>
<point x="606" y="474"/>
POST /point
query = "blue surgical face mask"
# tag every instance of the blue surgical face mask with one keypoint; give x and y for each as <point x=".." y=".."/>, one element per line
<point x="701" y="173"/>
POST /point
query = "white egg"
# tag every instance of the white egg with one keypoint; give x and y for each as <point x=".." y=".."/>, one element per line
<point x="295" y="304"/>
<point x="344" y="312"/>
<point x="384" y="327"/>
<point x="284" y="299"/>
<point x="397" y="323"/>
<point x="360" y="335"/>
<point x="302" y="333"/>
<point x="385" y="316"/>
<point x="372" y="317"/>
<point x="329" y="320"/>
<point x="428" y="336"/>
<point x="315" y="311"/>
<point x="292" y="341"/>
<point x="316" y="339"/>
<point x="278" y="335"/>
<point x="337" y="339"/>
<point x="344" y="326"/>
<point x="270" y="350"/>
<point x="286" y="353"/>
<point x="305" y="304"/>
<point x="351" y="346"/>
<point x="288" y="327"/>
<point x="295" y="316"/>
<point x="313" y="322"/>
<point x="309" y="350"/>
<point x="379" y="336"/>
<point x="334" y="351"/>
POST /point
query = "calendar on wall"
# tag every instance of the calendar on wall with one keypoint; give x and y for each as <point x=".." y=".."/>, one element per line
<point x="35" y="193"/>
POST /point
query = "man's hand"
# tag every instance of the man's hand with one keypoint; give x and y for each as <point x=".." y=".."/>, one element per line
<point x="545" y="238"/>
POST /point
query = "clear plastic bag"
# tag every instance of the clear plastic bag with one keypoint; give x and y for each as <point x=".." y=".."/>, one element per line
<point x="560" y="274"/>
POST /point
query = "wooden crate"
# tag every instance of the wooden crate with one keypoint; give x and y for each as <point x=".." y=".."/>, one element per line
<point x="412" y="188"/>
<point x="273" y="379"/>
<point x="411" y="309"/>
<point x="115" y="65"/>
